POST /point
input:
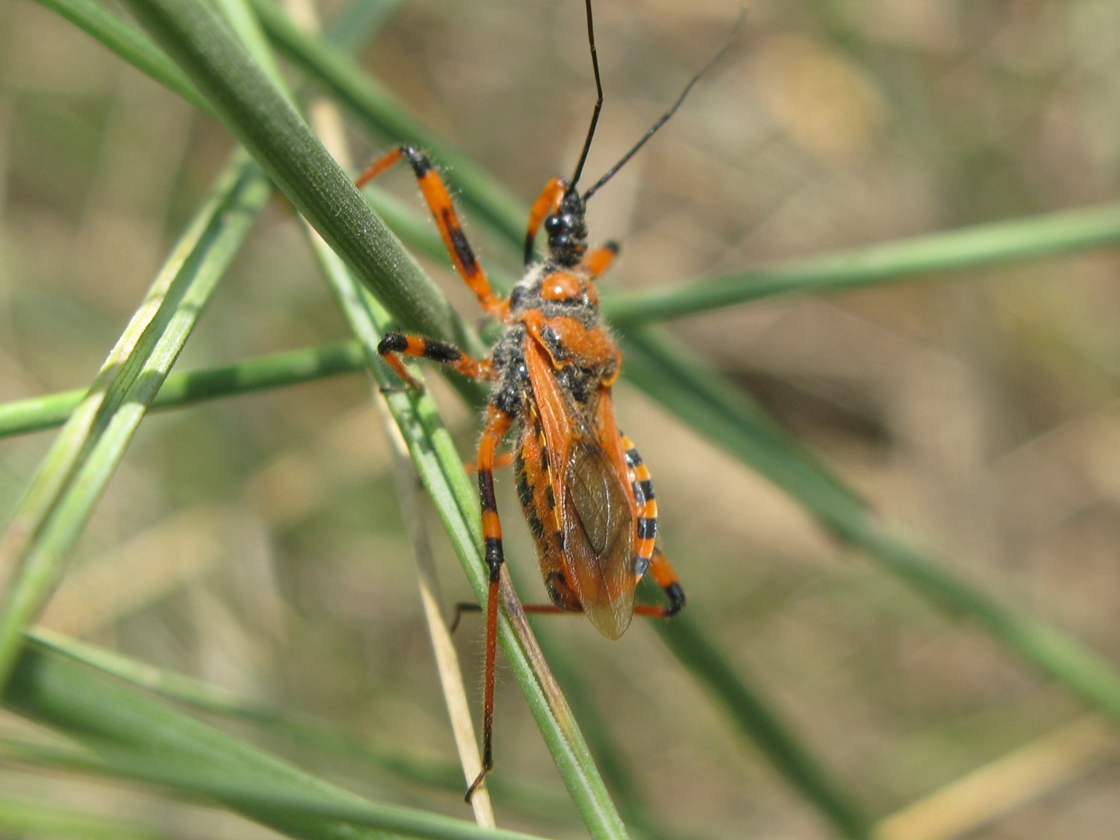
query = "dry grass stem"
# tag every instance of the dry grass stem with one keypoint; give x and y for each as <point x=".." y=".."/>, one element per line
<point x="327" y="122"/>
<point x="447" y="661"/>
<point x="1021" y="777"/>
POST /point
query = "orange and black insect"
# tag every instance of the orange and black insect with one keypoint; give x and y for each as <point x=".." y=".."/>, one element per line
<point x="586" y="494"/>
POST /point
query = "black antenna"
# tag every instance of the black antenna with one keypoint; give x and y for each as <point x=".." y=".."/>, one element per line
<point x="598" y="101"/>
<point x="664" y="118"/>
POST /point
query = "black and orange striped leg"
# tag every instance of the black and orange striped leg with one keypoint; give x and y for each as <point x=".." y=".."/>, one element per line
<point x="395" y="345"/>
<point x="646" y="554"/>
<point x="546" y="204"/>
<point x="660" y="564"/>
<point x="600" y="259"/>
<point x="497" y="424"/>
<point x="666" y="577"/>
<point x="457" y="616"/>
<point x="500" y="461"/>
<point x="446" y="219"/>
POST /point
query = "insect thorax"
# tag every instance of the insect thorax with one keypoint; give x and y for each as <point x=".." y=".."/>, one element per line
<point x="529" y="296"/>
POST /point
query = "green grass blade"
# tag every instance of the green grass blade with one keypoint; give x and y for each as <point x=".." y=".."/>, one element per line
<point x="382" y="114"/>
<point x="755" y="717"/>
<point x="76" y="470"/>
<point x="937" y="253"/>
<point x="20" y="818"/>
<point x="310" y="733"/>
<point x="721" y="412"/>
<point x="350" y="27"/>
<point x="608" y="753"/>
<point x="129" y="44"/>
<point x="140" y="738"/>
<point x="702" y="398"/>
<point x="1053" y="652"/>
<point x="277" y="370"/>
<point x="267" y="125"/>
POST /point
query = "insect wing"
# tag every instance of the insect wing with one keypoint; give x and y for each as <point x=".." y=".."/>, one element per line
<point x="599" y="529"/>
<point x="596" y="507"/>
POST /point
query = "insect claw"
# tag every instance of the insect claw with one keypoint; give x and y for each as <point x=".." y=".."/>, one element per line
<point x="461" y="608"/>
<point x="676" y="599"/>
<point x="474" y="785"/>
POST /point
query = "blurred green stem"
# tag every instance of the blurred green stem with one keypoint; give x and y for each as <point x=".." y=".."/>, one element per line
<point x="137" y="737"/>
<point x="696" y="650"/>
<point x="128" y="43"/>
<point x="79" y="465"/>
<point x="1061" y="232"/>
<point x="376" y="108"/>
<point x="269" y="127"/>
<point x="728" y="417"/>
<point x="183" y="389"/>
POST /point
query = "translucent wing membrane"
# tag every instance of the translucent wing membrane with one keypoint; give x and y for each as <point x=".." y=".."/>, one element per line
<point x="599" y="531"/>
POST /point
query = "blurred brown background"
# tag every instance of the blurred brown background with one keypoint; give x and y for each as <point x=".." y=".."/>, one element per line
<point x="256" y="542"/>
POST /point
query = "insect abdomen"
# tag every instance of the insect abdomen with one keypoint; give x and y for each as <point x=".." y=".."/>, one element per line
<point x="538" y="501"/>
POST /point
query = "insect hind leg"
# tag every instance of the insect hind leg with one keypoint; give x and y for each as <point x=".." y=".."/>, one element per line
<point x="641" y="486"/>
<point x="497" y="424"/>
<point x="646" y="555"/>
<point x="666" y="577"/>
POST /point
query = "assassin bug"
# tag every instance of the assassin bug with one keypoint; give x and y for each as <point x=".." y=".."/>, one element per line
<point x="586" y="494"/>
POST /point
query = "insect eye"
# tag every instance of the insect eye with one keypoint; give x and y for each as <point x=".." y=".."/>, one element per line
<point x="560" y="224"/>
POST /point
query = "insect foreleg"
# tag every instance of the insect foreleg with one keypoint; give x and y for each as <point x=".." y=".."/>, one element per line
<point x="446" y="219"/>
<point x="395" y="345"/>
<point x="543" y="207"/>
<point x="600" y="259"/>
